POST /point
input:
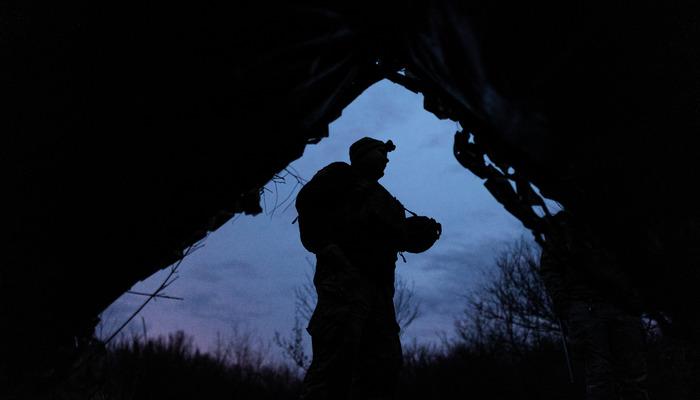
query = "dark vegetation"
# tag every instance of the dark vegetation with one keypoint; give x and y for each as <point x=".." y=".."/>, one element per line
<point x="172" y="368"/>
<point x="507" y="345"/>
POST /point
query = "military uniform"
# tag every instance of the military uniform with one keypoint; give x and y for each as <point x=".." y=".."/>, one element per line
<point x="601" y="312"/>
<point x="355" y="336"/>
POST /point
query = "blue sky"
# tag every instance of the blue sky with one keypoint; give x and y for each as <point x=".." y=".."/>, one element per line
<point x="245" y="274"/>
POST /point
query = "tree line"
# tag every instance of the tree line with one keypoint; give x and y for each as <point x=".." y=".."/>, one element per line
<point x="507" y="344"/>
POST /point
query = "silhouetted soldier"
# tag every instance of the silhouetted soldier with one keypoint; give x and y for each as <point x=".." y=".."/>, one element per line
<point x="600" y="308"/>
<point x="355" y="228"/>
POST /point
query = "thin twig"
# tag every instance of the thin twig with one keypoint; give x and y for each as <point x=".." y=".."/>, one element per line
<point x="278" y="180"/>
<point x="166" y="282"/>
<point x="162" y="296"/>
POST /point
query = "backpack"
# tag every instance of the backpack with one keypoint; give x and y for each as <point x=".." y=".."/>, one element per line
<point x="319" y="204"/>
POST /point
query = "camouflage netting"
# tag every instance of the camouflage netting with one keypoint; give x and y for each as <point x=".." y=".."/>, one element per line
<point x="136" y="127"/>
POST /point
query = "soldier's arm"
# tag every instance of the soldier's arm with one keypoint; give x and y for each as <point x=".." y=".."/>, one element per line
<point x="349" y="281"/>
<point x="414" y="234"/>
<point x="380" y="213"/>
<point x="332" y="252"/>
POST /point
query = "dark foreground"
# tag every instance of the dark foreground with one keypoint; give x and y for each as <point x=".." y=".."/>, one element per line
<point x="171" y="368"/>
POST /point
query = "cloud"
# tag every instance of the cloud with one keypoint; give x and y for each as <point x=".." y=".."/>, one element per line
<point x="247" y="271"/>
<point x="444" y="278"/>
<point x="213" y="272"/>
<point x="438" y="138"/>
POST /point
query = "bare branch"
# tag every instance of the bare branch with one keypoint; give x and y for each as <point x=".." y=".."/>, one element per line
<point x="169" y="279"/>
<point x="281" y="179"/>
<point x="512" y="308"/>
<point x="162" y="296"/>
<point x="405" y="303"/>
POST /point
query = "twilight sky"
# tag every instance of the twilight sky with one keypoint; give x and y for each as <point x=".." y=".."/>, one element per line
<point x="246" y="273"/>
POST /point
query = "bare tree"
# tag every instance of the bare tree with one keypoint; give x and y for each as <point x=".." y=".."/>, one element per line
<point x="305" y="295"/>
<point x="406" y="304"/>
<point x="293" y="346"/>
<point x="511" y="310"/>
<point x="241" y="347"/>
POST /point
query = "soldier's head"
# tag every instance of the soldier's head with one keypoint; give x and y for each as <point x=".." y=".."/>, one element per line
<point x="369" y="156"/>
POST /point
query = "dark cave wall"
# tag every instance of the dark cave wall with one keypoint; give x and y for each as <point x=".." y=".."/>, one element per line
<point x="134" y="129"/>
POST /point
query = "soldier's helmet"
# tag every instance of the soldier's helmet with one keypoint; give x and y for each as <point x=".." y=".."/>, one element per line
<point x="420" y="234"/>
<point x="367" y="144"/>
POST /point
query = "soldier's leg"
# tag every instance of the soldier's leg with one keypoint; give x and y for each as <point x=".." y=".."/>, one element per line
<point x="336" y="328"/>
<point x="589" y="332"/>
<point x="379" y="364"/>
<point x="328" y="376"/>
<point x="335" y="336"/>
<point x="627" y="344"/>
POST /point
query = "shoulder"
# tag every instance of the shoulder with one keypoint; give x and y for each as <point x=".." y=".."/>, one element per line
<point x="333" y="169"/>
<point x="330" y="176"/>
<point x="384" y="192"/>
<point x="328" y="183"/>
<point x="382" y="197"/>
